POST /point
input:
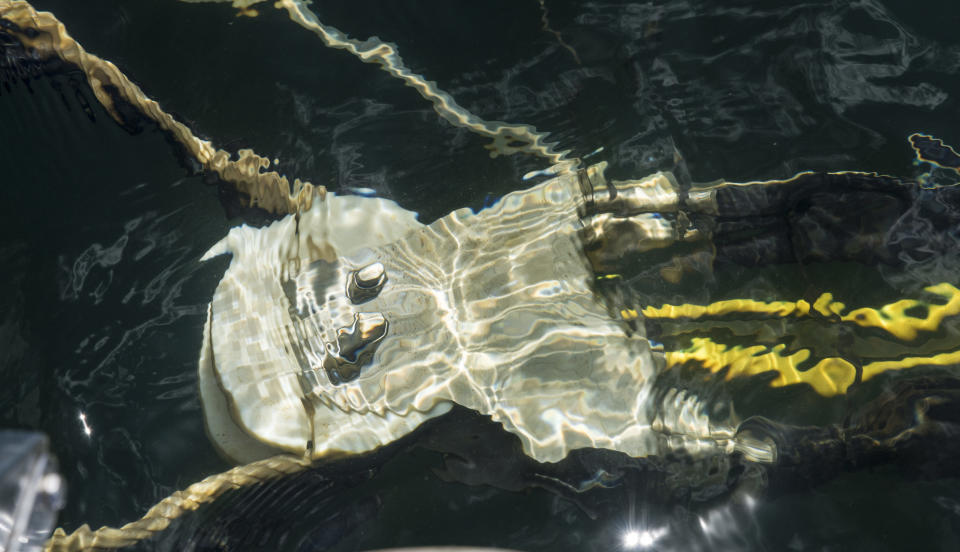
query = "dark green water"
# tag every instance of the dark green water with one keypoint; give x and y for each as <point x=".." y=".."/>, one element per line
<point x="103" y="228"/>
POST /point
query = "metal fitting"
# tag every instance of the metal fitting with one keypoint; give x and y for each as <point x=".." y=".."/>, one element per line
<point x="354" y="347"/>
<point x="366" y="283"/>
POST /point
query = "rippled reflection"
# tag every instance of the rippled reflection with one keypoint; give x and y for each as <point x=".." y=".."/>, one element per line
<point x="713" y="346"/>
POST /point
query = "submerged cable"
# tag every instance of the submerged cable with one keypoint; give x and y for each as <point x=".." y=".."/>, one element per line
<point x="507" y="138"/>
<point x="174" y="506"/>
<point x="246" y="170"/>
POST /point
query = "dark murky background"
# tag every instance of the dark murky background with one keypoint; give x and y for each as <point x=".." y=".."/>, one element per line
<point x="102" y="229"/>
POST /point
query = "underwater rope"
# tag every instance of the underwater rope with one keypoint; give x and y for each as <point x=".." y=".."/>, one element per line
<point x="268" y="190"/>
<point x="831" y="375"/>
<point x="164" y="512"/>
<point x="507" y="138"/>
<point x="892" y="318"/>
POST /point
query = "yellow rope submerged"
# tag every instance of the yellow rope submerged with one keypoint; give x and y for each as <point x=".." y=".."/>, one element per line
<point x="893" y="318"/>
<point x="829" y="376"/>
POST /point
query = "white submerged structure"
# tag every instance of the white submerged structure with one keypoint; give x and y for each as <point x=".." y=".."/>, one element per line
<point x="344" y="328"/>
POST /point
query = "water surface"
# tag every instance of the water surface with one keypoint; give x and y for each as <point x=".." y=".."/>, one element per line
<point x="104" y="228"/>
